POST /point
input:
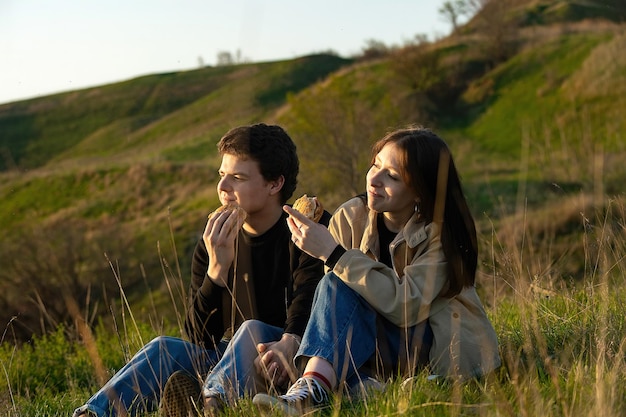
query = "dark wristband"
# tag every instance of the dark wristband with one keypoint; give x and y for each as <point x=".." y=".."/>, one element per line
<point x="334" y="256"/>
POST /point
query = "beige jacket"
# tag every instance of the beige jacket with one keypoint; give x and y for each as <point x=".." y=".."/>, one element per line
<point x="465" y="343"/>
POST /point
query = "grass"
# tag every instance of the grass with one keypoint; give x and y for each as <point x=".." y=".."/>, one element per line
<point x="526" y="92"/>
<point x="562" y="339"/>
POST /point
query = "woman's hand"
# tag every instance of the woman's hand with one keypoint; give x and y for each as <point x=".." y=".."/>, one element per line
<point x="313" y="238"/>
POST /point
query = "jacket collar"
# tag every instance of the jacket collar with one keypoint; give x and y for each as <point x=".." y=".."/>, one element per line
<point x="413" y="233"/>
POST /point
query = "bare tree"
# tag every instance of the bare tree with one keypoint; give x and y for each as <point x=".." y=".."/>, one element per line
<point x="374" y="49"/>
<point x="452" y="11"/>
<point x="472" y="7"/>
<point x="224" y="58"/>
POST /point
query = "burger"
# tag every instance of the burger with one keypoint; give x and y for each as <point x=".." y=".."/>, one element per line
<point x="230" y="207"/>
<point x="310" y="207"/>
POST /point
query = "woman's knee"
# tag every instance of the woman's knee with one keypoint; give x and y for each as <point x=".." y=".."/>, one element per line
<point x="328" y="283"/>
<point x="331" y="287"/>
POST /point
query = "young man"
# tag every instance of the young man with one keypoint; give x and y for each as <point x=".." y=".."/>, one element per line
<point x="239" y="272"/>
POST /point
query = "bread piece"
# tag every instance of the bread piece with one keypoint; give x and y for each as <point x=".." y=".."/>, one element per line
<point x="232" y="206"/>
<point x="310" y="207"/>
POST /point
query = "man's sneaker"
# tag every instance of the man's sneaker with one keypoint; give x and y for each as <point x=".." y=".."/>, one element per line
<point x="181" y="396"/>
<point x="303" y="396"/>
<point x="84" y="413"/>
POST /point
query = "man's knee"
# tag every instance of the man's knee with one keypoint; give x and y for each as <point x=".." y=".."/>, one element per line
<point x="252" y="327"/>
<point x="160" y="343"/>
<point x="256" y="331"/>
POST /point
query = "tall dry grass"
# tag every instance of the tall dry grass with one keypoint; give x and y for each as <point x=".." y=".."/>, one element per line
<point x="552" y="280"/>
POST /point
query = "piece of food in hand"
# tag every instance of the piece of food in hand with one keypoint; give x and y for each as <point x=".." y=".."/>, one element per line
<point x="310" y="207"/>
<point x="232" y="206"/>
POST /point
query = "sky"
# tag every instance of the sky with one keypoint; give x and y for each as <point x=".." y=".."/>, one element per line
<point x="50" y="46"/>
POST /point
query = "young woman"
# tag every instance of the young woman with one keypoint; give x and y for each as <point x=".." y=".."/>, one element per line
<point x="399" y="293"/>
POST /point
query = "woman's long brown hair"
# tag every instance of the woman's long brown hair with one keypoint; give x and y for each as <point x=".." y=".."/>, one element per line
<point x="429" y="169"/>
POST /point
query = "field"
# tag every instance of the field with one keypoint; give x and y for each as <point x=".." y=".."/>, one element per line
<point x="105" y="190"/>
<point x="562" y="340"/>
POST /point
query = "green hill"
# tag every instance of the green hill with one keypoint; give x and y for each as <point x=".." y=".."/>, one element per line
<point x="152" y="113"/>
<point x="109" y="186"/>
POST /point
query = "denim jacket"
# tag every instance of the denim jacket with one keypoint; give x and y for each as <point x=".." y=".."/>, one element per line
<point x="465" y="343"/>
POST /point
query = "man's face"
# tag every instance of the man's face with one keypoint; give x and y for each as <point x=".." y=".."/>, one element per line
<point x="241" y="181"/>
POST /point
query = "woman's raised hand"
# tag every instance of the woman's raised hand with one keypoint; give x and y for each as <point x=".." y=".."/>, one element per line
<point x="313" y="238"/>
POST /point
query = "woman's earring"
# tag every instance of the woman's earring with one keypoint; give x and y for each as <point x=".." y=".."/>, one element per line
<point x="417" y="208"/>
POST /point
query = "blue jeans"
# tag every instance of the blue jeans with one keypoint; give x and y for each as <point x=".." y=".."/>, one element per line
<point x="137" y="387"/>
<point x="346" y="331"/>
<point x="235" y="376"/>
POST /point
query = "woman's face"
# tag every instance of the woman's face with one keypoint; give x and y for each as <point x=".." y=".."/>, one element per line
<point x="386" y="189"/>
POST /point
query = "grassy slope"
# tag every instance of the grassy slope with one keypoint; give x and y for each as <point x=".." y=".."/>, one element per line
<point x="99" y="134"/>
<point x="540" y="96"/>
<point x="538" y="119"/>
<point x="149" y="111"/>
<point x="147" y="161"/>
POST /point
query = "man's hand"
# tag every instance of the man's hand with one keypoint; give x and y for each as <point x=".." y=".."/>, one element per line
<point x="275" y="360"/>
<point x="219" y="238"/>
